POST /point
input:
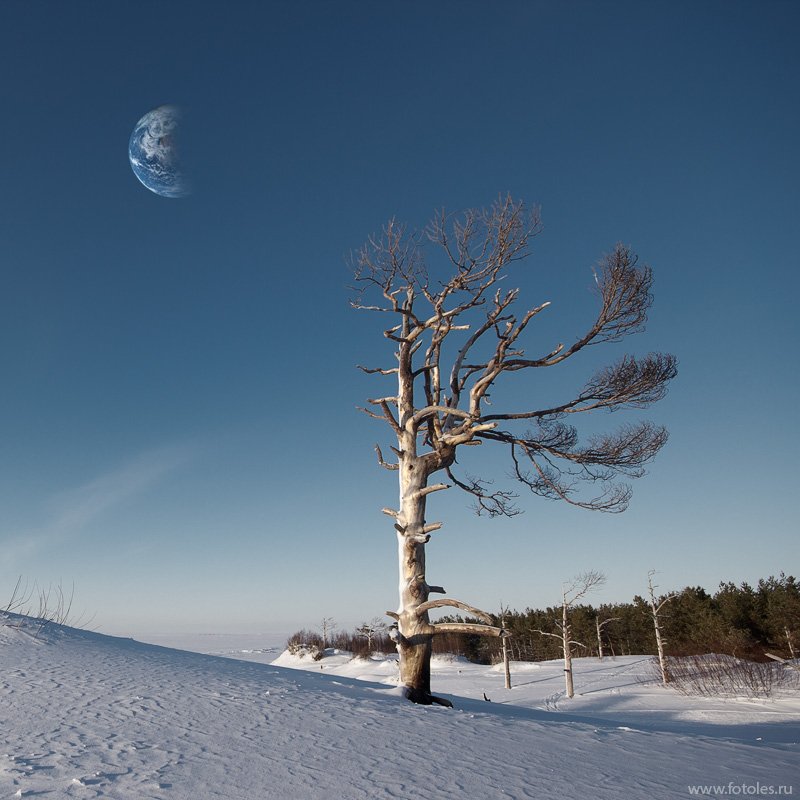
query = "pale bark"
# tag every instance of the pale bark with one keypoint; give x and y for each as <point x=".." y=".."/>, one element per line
<point x="600" y="625"/>
<point x="566" y="650"/>
<point x="506" y="664"/>
<point x="570" y="594"/>
<point x="790" y="642"/>
<point x="415" y="632"/>
<point x="655" y="610"/>
<point x="566" y="629"/>
<point x="599" y="640"/>
<point x="327" y="627"/>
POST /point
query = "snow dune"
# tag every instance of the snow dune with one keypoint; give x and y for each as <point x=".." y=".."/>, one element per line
<point x="85" y="715"/>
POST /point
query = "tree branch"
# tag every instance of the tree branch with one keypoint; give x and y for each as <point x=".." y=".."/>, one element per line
<point x="383" y="463"/>
<point x="377" y="370"/>
<point x="466" y="627"/>
<point x="429" y="411"/>
<point x="449" y="602"/>
<point x="625" y="298"/>
<point x="467" y="315"/>
<point x="436" y="487"/>
<point x="580" y="585"/>
<point x="383" y="402"/>
<point x="495" y="504"/>
<point x="629" y="383"/>
<point x="371" y="413"/>
<point x="431" y="527"/>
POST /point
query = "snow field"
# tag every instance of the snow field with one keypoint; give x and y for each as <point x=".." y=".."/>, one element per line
<point x="86" y="715"/>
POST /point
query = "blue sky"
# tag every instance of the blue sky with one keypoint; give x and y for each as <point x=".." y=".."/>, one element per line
<point x="179" y="433"/>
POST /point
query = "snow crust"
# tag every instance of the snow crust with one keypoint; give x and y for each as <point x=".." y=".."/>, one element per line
<point x="88" y="715"/>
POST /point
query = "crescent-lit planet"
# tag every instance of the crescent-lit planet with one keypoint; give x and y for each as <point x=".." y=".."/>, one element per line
<point x="154" y="152"/>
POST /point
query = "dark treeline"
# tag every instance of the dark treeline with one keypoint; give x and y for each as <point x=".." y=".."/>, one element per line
<point x="743" y="621"/>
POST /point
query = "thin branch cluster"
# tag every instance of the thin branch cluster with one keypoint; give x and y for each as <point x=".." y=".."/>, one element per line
<point x="444" y="397"/>
<point x="50" y="605"/>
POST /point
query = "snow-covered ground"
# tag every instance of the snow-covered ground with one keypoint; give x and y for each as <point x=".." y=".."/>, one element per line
<point x="85" y="715"/>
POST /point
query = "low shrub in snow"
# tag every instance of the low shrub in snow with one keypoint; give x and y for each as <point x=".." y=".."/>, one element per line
<point x="715" y="675"/>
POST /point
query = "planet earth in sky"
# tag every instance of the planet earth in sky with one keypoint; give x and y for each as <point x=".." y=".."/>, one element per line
<point x="154" y="152"/>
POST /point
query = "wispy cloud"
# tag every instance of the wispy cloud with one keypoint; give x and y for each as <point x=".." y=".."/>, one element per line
<point x="72" y="510"/>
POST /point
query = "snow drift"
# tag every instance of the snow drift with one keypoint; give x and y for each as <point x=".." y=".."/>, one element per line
<point x="88" y="715"/>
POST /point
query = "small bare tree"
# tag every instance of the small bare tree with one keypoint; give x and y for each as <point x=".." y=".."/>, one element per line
<point x="655" y="611"/>
<point x="600" y="625"/>
<point x="571" y="592"/>
<point x="790" y="642"/>
<point x="369" y="630"/>
<point x="455" y="335"/>
<point x="327" y="627"/>
<point x="506" y="657"/>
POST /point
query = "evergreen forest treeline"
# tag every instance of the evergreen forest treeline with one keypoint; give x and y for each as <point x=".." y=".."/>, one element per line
<point x="743" y="621"/>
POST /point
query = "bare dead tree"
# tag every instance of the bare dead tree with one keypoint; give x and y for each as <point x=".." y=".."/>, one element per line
<point x="506" y="659"/>
<point x="600" y="625"/>
<point x="655" y="611"/>
<point x="789" y="642"/>
<point x="571" y="592"/>
<point x="456" y="337"/>
<point x="370" y="630"/>
<point x="327" y="627"/>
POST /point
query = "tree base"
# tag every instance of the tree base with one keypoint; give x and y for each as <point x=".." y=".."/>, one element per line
<point x="425" y="698"/>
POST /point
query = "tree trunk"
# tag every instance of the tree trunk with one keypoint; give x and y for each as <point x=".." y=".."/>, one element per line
<point x="655" y="609"/>
<point x="506" y="665"/>
<point x="415" y="636"/>
<point x="790" y="642"/>
<point x="565" y="630"/>
<point x="662" y="661"/>
<point x="599" y="640"/>
<point x="415" y="643"/>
